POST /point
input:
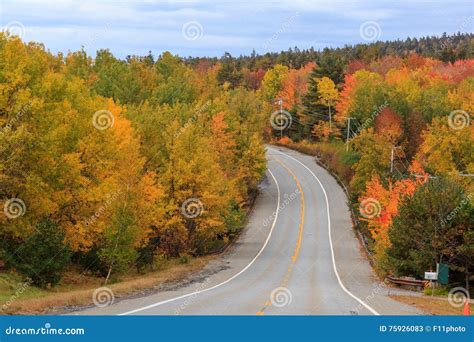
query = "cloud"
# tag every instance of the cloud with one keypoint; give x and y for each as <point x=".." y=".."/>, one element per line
<point x="134" y="27"/>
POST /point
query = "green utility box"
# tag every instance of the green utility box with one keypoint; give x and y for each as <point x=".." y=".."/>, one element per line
<point x="443" y="274"/>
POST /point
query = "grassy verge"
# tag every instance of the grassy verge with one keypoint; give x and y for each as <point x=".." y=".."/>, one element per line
<point x="76" y="289"/>
<point x="432" y="305"/>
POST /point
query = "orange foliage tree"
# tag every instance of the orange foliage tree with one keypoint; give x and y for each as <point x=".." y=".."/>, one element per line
<point x="385" y="201"/>
<point x="295" y="86"/>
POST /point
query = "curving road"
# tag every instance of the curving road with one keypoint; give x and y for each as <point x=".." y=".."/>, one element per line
<point x="297" y="256"/>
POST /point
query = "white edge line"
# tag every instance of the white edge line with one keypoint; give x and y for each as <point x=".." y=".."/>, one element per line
<point x="226" y="281"/>
<point x="330" y="238"/>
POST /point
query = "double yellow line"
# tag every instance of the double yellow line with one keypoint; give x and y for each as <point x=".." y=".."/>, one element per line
<point x="300" y="235"/>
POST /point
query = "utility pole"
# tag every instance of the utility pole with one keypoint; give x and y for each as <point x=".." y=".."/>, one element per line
<point x="348" y="132"/>
<point x="392" y="157"/>
<point x="280" y="102"/>
<point x="330" y="116"/>
<point x="391" y="161"/>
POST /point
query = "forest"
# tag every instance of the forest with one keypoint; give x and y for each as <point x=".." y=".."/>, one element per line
<point x="397" y="131"/>
<point x="107" y="165"/>
<point x="110" y="164"/>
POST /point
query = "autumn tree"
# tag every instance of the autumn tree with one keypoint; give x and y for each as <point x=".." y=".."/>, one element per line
<point x="272" y="82"/>
<point x="294" y="87"/>
<point x="389" y="124"/>
<point x="380" y="203"/>
<point x="374" y="151"/>
<point x="360" y="98"/>
<point x="328" y="95"/>
<point x="433" y="226"/>
<point x="446" y="149"/>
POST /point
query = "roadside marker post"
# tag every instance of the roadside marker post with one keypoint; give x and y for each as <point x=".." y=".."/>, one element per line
<point x="466" y="310"/>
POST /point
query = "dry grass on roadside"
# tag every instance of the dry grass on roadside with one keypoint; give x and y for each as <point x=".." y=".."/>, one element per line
<point x="432" y="305"/>
<point x="81" y="294"/>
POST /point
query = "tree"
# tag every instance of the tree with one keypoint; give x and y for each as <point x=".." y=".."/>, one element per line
<point x="118" y="251"/>
<point x="385" y="201"/>
<point x="354" y="66"/>
<point x="434" y="225"/>
<point x="321" y="131"/>
<point x="42" y="257"/>
<point x="175" y="81"/>
<point x="446" y="150"/>
<point x="374" y="151"/>
<point x="294" y="87"/>
<point x="272" y="82"/>
<point x="414" y="128"/>
<point x="361" y="97"/>
<point x="389" y="124"/>
<point x="327" y="94"/>
<point x="328" y="65"/>
<point x="193" y="175"/>
<point x="253" y="79"/>
<point x="229" y="71"/>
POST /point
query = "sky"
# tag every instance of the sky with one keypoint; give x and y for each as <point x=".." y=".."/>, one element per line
<point x="210" y="28"/>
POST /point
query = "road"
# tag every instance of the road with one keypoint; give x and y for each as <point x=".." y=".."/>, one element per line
<point x="298" y="255"/>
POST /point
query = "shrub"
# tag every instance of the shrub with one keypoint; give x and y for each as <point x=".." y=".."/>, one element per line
<point x="90" y="261"/>
<point x="42" y="257"/>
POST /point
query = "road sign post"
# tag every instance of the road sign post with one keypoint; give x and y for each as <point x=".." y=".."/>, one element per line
<point x="431" y="276"/>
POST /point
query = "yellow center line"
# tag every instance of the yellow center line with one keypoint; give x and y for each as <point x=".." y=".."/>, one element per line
<point x="300" y="235"/>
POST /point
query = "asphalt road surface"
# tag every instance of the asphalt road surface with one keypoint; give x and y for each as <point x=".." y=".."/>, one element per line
<point x="298" y="255"/>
